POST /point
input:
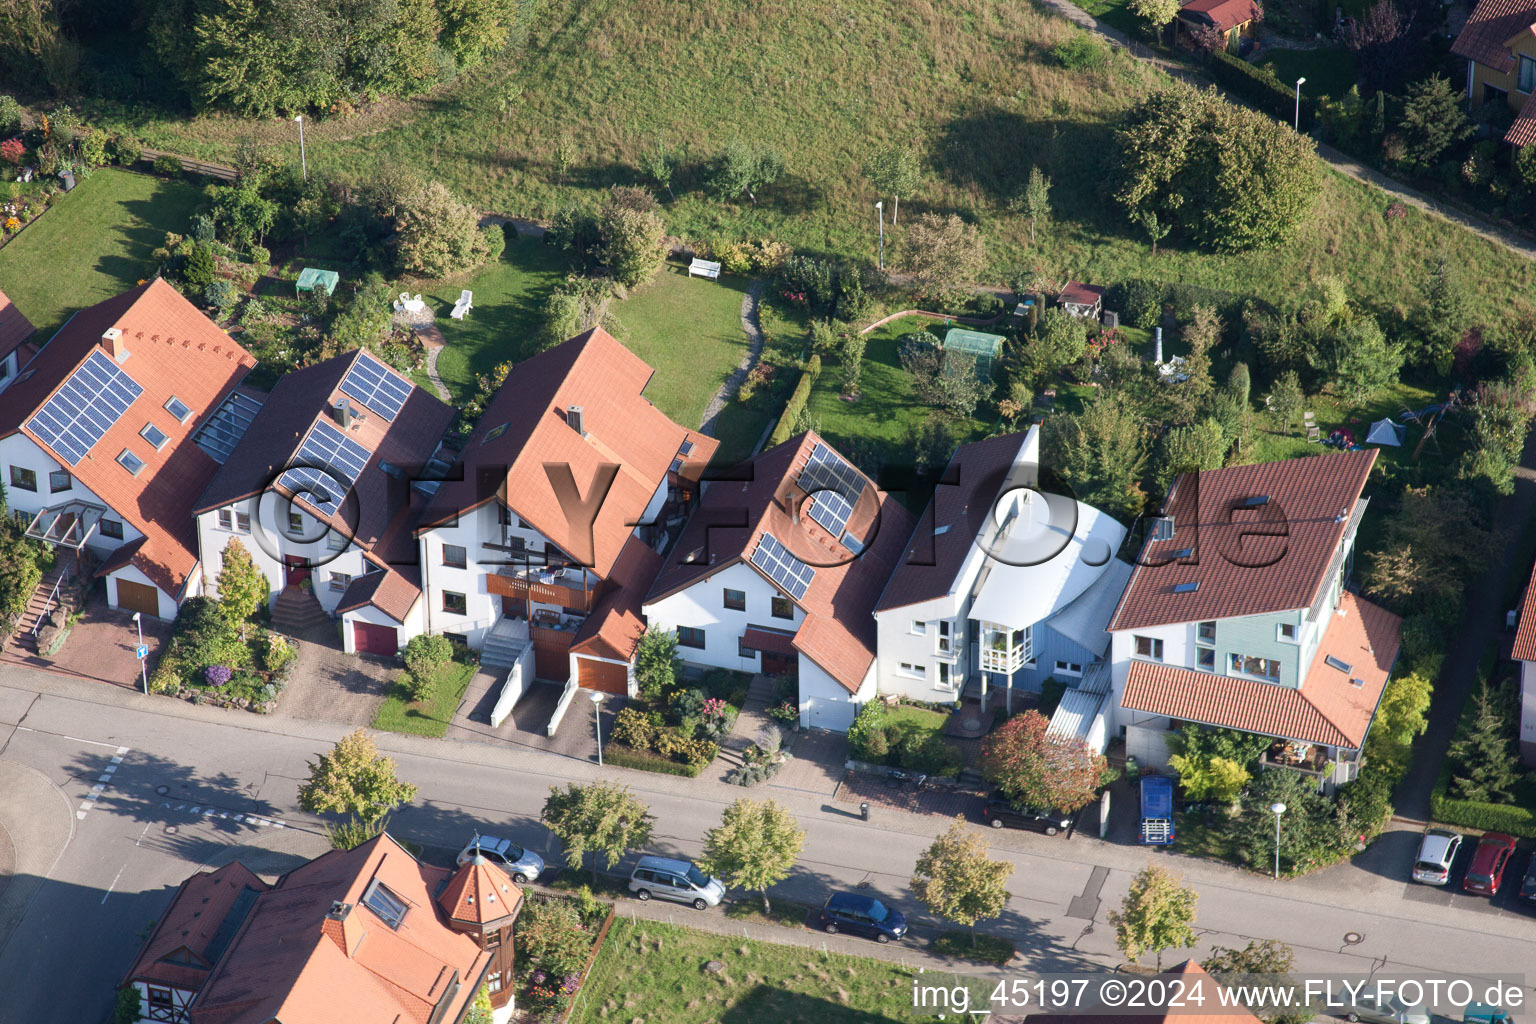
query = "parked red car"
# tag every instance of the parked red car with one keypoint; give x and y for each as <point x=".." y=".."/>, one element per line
<point x="1489" y="860"/>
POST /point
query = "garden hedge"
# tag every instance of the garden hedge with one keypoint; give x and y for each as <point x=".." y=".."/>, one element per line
<point x="645" y="761"/>
<point x="1260" y="87"/>
<point x="1448" y="810"/>
<point x="797" y="401"/>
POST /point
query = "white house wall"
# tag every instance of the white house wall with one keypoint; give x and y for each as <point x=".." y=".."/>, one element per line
<point x="268" y="543"/>
<point x="412" y="626"/>
<point x="898" y="644"/>
<point x="1178" y="649"/>
<point x="20" y="450"/>
<point x="180" y="997"/>
<point x="825" y="703"/>
<point x="702" y="606"/>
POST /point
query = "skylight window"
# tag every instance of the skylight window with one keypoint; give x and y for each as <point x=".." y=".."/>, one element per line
<point x="154" y="435"/>
<point x="129" y="461"/>
<point x="1186" y="588"/>
<point x="176" y="407"/>
<point x="494" y="433"/>
<point x="1255" y="500"/>
<point x="1332" y="662"/>
<point x="389" y="907"/>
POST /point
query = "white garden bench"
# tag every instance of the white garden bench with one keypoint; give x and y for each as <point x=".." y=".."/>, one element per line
<point x="704" y="268"/>
<point x="464" y="305"/>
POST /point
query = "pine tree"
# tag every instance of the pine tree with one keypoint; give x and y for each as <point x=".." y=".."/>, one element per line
<point x="1485" y="766"/>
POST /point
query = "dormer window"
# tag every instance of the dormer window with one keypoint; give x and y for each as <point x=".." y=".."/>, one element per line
<point x="154" y="435"/>
<point x="129" y="461"/>
<point x="176" y="407"/>
<point x="389" y="907"/>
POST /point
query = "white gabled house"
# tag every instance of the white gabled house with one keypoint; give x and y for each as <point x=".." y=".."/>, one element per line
<point x="110" y="431"/>
<point x="1002" y="588"/>
<point x="323" y="489"/>
<point x="1237" y="616"/>
<point x="778" y="572"/>
<point x="549" y="532"/>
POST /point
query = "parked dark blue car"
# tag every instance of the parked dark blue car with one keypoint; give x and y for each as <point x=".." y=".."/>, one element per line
<point x="861" y="915"/>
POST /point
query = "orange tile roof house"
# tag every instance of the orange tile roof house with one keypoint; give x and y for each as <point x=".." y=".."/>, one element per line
<point x="1499" y="45"/>
<point x="779" y="571"/>
<point x="325" y="486"/>
<point x="1234" y="19"/>
<point x="364" y="936"/>
<point x="1236" y="615"/>
<point x="1524" y="651"/>
<point x="103" y="439"/>
<point x="540" y="547"/>
<point x="15" y="339"/>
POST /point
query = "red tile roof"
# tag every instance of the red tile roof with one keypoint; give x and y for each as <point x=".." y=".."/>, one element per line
<point x="1198" y="991"/>
<point x="1081" y="294"/>
<point x="771" y="640"/>
<point x="613" y="628"/>
<point x="172" y="350"/>
<point x="947" y="529"/>
<point x="1523" y="131"/>
<point x="1246" y="560"/>
<point x="1524" y="648"/>
<point x="480" y="893"/>
<point x="1223" y="14"/>
<point x="1328" y="708"/>
<point x="524" y="434"/>
<point x="393" y="592"/>
<point x="838" y="631"/>
<point x="379" y="512"/>
<point x="284" y="965"/>
<point x="177" y="951"/>
<point x="1491" y="29"/>
<point x="15" y="330"/>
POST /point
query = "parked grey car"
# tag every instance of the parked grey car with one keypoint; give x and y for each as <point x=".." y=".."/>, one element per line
<point x="669" y="879"/>
<point x="522" y="864"/>
<point x="1391" y="1010"/>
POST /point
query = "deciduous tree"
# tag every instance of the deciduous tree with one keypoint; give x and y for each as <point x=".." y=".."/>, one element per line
<point x="1101" y="452"/>
<point x="632" y="237"/>
<point x="656" y="662"/>
<point x="1056" y="772"/>
<point x="601" y="818"/>
<point x="356" y="780"/>
<point x="896" y="172"/>
<point x="755" y="845"/>
<point x="1059" y="340"/>
<point x="944" y="255"/>
<point x="1195" y="448"/>
<point x="1156" y="13"/>
<point x="1157" y="915"/>
<point x="1267" y="957"/>
<point x="1034" y="201"/>
<point x="742" y="169"/>
<point x="436" y="234"/>
<point x="243" y="588"/>
<point x="1359" y="359"/>
<point x="956" y="879"/>
<point x="1286" y="398"/>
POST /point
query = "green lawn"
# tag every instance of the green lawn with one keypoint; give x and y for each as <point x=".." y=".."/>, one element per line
<point x="886" y="408"/>
<point x="399" y="713"/>
<point x="689" y="330"/>
<point x="655" y="972"/>
<point x="1329" y="70"/>
<point x="92" y="244"/>
<point x="509" y="309"/>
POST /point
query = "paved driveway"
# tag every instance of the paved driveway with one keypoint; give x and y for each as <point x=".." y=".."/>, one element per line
<point x="817" y="766"/>
<point x="100" y="647"/>
<point x="329" y="685"/>
<point x="526" y="726"/>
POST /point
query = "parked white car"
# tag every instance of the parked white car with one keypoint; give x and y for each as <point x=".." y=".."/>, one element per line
<point x="1437" y="852"/>
<point x="522" y="864"/>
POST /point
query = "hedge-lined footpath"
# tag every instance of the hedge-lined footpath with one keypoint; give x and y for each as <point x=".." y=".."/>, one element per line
<point x="797" y="400"/>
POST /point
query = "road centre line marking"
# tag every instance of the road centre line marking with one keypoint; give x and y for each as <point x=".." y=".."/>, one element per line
<point x="114" y="883"/>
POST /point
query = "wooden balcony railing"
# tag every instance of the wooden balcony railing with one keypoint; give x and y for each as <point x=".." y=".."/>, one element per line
<point x="526" y="586"/>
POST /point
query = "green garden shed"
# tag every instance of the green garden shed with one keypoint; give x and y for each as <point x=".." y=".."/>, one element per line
<point x="984" y="347"/>
<point x="311" y="279"/>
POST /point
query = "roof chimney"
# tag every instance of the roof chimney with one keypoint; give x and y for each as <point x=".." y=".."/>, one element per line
<point x="342" y="928"/>
<point x="573" y="417"/>
<point x="343" y="413"/>
<point x="112" y="343"/>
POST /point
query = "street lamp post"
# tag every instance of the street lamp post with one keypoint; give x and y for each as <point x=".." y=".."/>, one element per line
<point x="597" y="719"/>
<point x="1296" y="125"/>
<point x="303" y="161"/>
<point x="1279" y="809"/>
<point x="880" y="215"/>
<point x="138" y="620"/>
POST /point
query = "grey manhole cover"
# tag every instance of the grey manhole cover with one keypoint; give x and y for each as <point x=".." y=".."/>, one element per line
<point x="162" y="790"/>
<point x="1353" y="938"/>
<point x="170" y="830"/>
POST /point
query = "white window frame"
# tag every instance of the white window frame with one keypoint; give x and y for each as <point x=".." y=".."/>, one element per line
<point x="340" y="581"/>
<point x="1202" y="641"/>
<point x="186" y="415"/>
<point x="1154" y="646"/>
<point x="295" y="521"/>
<point x="1294" y="638"/>
<point x="918" y="628"/>
<point x="1068" y="668"/>
<point x="944" y="643"/>
<point x="1205" y="651"/>
<point x="911" y="670"/>
<point x="336" y="541"/>
<point x="165" y="438"/>
<point x="126" y="454"/>
<point x="1235" y="662"/>
<point x="946" y="678"/>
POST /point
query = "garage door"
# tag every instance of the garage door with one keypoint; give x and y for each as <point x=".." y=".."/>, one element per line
<point x="367" y="637"/>
<point x="836" y="715"/>
<point x="138" y="597"/>
<point x="602" y="675"/>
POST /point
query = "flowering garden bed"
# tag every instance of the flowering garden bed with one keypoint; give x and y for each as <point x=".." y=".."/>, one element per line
<point x="557" y="938"/>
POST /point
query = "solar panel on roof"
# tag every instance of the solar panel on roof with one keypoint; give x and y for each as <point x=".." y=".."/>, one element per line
<point x="376" y="386"/>
<point x="787" y="571"/>
<point x="835" y="485"/>
<point x="326" y="458"/>
<point x="93" y="398"/>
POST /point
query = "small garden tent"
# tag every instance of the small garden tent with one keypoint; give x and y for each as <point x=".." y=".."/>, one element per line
<point x="1386" y="432"/>
<point x="311" y="279"/>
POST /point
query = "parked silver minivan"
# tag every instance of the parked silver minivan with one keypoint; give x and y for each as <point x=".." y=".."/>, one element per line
<point x="669" y="879"/>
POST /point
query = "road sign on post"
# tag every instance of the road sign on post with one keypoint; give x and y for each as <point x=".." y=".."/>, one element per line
<point x="141" y="652"/>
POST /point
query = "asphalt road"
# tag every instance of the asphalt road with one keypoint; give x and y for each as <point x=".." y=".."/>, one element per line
<point x="195" y="786"/>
